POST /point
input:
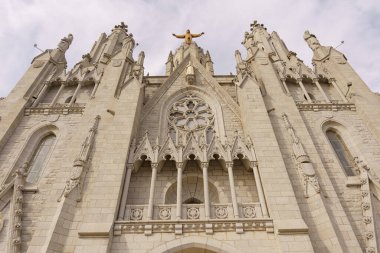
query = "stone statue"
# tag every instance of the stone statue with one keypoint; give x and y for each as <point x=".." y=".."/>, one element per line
<point x="65" y="43"/>
<point x="58" y="54"/>
<point x="311" y="40"/>
<point x="188" y="36"/>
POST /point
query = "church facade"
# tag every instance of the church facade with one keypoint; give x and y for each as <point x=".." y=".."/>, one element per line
<point x="279" y="157"/>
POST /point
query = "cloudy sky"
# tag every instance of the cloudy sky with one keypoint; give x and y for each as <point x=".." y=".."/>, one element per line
<point x="45" y="22"/>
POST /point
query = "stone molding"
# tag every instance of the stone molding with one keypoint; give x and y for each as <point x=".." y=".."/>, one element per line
<point x="191" y="226"/>
<point x="323" y="106"/>
<point x="56" y="109"/>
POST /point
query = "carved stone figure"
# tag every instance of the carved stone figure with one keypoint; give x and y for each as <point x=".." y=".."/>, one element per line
<point x="311" y="40"/>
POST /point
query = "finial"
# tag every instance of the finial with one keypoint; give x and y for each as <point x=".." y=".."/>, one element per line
<point x="255" y="24"/>
<point x="123" y="26"/>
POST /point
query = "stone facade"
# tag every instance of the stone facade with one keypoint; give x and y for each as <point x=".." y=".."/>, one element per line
<point x="277" y="158"/>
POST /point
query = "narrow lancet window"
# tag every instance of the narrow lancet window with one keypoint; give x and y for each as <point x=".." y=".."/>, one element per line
<point x="39" y="157"/>
<point x="345" y="157"/>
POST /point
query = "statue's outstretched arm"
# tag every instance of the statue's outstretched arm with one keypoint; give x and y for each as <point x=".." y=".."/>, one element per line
<point x="181" y="36"/>
<point x="197" y="35"/>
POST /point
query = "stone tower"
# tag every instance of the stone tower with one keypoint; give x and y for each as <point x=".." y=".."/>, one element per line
<point x="277" y="158"/>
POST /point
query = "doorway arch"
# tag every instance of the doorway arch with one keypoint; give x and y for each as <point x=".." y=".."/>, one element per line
<point x="195" y="242"/>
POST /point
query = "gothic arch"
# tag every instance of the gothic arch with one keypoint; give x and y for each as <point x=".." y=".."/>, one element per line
<point x="213" y="187"/>
<point x="342" y="130"/>
<point x="195" y="242"/>
<point x="214" y="104"/>
<point x="33" y="139"/>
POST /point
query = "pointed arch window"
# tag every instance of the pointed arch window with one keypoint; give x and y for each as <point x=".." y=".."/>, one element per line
<point x="38" y="159"/>
<point x="344" y="155"/>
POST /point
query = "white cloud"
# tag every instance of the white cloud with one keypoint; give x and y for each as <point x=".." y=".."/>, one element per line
<point x="152" y="23"/>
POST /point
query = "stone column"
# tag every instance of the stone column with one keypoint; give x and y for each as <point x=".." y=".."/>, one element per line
<point x="333" y="82"/>
<point x="57" y="95"/>
<point x="125" y="191"/>
<point x="75" y="94"/>
<point x="94" y="89"/>
<point x="41" y="95"/>
<point x="179" y="190"/>
<point x="321" y="90"/>
<point x="206" y="189"/>
<point x="232" y="188"/>
<point x="304" y="90"/>
<point x="283" y="80"/>
<point x="260" y="190"/>
<point x="151" y="192"/>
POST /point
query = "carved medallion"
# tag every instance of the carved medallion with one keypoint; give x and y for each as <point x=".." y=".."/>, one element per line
<point x="165" y="213"/>
<point x="221" y="212"/>
<point x="249" y="212"/>
<point x="136" y="214"/>
<point x="193" y="213"/>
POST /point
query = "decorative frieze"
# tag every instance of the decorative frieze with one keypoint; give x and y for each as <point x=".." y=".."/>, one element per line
<point x="190" y="226"/>
<point x="76" y="108"/>
<point x="323" y="106"/>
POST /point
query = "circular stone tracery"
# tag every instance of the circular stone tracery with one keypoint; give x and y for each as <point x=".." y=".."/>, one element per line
<point x="190" y="114"/>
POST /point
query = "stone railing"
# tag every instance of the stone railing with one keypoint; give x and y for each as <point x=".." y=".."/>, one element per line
<point x="193" y="219"/>
<point x="318" y="105"/>
<point x="45" y="108"/>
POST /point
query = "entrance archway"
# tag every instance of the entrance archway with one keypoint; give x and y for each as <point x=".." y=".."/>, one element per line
<point x="198" y="244"/>
<point x="195" y="250"/>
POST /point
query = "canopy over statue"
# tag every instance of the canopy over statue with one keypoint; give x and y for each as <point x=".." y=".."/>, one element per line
<point x="188" y="36"/>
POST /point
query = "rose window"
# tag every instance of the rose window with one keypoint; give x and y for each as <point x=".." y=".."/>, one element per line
<point x="191" y="114"/>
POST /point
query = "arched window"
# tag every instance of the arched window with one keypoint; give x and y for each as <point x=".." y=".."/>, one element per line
<point x="39" y="157"/>
<point x="345" y="157"/>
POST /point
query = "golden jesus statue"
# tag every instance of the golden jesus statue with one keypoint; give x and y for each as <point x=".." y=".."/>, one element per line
<point x="188" y="36"/>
